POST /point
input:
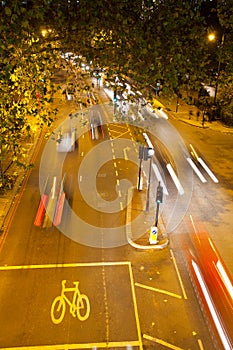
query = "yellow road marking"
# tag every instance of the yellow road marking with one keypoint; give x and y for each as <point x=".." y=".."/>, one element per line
<point x="158" y="290"/>
<point x="200" y="344"/>
<point x="162" y="342"/>
<point x="135" y="306"/>
<point x="121" y="134"/>
<point x="51" y="266"/>
<point x="178" y="275"/>
<point x="77" y="346"/>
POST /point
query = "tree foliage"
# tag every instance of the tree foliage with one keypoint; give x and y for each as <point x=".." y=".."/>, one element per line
<point x="148" y="40"/>
<point x="27" y="63"/>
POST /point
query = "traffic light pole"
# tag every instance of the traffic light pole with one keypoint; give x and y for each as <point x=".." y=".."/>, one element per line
<point x="148" y="190"/>
<point x="139" y="175"/>
<point x="157" y="214"/>
<point x="159" y="199"/>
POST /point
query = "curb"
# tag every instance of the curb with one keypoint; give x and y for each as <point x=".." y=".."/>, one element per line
<point x="160" y="246"/>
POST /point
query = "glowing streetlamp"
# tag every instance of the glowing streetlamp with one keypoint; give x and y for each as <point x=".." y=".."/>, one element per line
<point x="212" y="37"/>
<point x="45" y="32"/>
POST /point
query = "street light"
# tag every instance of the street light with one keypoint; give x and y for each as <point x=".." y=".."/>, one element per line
<point x="212" y="37"/>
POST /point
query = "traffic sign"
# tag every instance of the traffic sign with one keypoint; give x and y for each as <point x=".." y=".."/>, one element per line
<point x="153" y="235"/>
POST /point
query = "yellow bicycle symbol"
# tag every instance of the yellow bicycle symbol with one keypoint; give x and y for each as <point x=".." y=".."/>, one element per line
<point x="80" y="305"/>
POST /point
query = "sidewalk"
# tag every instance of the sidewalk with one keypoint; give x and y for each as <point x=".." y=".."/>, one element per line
<point x="135" y="208"/>
<point x="188" y="114"/>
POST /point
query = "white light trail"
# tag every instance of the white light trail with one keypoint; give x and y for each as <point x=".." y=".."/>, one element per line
<point x="196" y="170"/>
<point x="53" y="190"/>
<point x="175" y="179"/>
<point x="162" y="113"/>
<point x="148" y="141"/>
<point x="211" y="307"/>
<point x="225" y="278"/>
<point x="159" y="178"/>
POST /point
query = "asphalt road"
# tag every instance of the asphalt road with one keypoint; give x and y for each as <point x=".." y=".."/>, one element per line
<point x="138" y="299"/>
<point x="214" y="200"/>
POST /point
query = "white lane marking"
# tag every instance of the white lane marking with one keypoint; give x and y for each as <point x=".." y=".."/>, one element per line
<point x="197" y="171"/>
<point x="121" y="206"/>
<point x="201" y="161"/>
<point x="159" y="178"/>
<point x="162" y="291"/>
<point x="175" y="179"/>
<point x="162" y="342"/>
<point x="80" y="178"/>
<point x="209" y="172"/>
<point x="178" y="275"/>
<point x="81" y="154"/>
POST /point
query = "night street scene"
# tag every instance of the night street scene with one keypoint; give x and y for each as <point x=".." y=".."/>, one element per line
<point x="116" y="182"/>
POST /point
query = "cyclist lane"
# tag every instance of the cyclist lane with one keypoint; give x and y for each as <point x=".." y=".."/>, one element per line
<point x="58" y="304"/>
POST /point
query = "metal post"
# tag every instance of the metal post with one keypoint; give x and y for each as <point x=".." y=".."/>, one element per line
<point x="139" y="174"/>
<point x="157" y="214"/>
<point x="148" y="190"/>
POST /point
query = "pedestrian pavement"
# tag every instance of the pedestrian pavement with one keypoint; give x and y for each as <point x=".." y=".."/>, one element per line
<point x="189" y="114"/>
<point x="180" y="112"/>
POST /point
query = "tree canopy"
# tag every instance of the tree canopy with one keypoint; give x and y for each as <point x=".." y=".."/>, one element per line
<point x="149" y="40"/>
